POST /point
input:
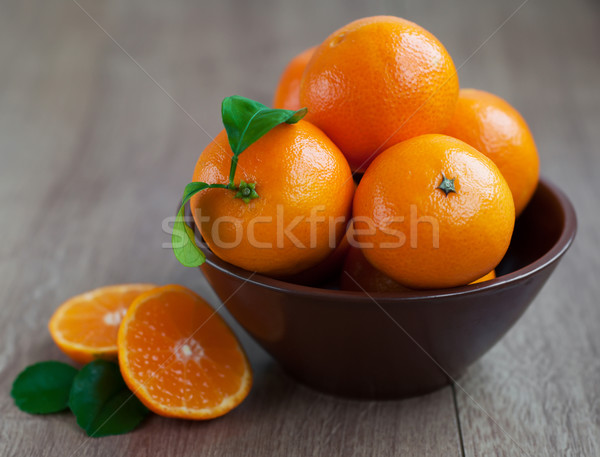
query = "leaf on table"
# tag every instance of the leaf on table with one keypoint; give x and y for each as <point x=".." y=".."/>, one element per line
<point x="102" y="402"/>
<point x="44" y="387"/>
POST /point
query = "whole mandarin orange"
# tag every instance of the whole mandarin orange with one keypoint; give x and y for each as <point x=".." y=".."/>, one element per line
<point x="433" y="212"/>
<point x="378" y="81"/>
<point x="304" y="185"/>
<point x="359" y="275"/>
<point x="287" y="94"/>
<point x="495" y="128"/>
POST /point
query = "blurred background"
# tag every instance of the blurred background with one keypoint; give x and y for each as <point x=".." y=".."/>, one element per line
<point x="119" y="98"/>
<point x="105" y="106"/>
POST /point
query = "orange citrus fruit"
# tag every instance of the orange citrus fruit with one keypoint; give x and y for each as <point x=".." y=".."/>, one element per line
<point x="377" y="81"/>
<point x="433" y="212"/>
<point x="324" y="270"/>
<point x="305" y="193"/>
<point x="287" y="94"/>
<point x="488" y="277"/>
<point x="495" y="128"/>
<point x="85" y="327"/>
<point x="179" y="357"/>
<point x="358" y="274"/>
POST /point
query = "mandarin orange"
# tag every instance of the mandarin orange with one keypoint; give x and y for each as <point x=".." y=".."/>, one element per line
<point x="433" y="212"/>
<point x="377" y="81"/>
<point x="359" y="275"/>
<point x="305" y="193"/>
<point x="491" y="275"/>
<point x="85" y="327"/>
<point x="495" y="128"/>
<point x="179" y="357"/>
<point x="325" y="270"/>
<point x="287" y="94"/>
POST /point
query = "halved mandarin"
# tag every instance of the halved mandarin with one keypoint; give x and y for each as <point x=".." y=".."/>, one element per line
<point x="180" y="358"/>
<point x="85" y="327"/>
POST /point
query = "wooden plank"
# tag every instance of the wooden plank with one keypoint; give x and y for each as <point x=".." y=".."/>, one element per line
<point x="540" y="384"/>
<point x="94" y="157"/>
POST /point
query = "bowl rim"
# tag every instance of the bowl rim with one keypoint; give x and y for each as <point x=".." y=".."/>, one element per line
<point x="552" y="255"/>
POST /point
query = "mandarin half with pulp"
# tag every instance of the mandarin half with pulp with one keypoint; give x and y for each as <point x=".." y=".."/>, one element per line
<point x="85" y="327"/>
<point x="180" y="358"/>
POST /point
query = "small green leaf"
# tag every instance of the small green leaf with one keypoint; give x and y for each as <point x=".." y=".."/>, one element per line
<point x="101" y="401"/>
<point x="246" y="120"/>
<point x="182" y="239"/>
<point x="43" y="387"/>
<point x="191" y="189"/>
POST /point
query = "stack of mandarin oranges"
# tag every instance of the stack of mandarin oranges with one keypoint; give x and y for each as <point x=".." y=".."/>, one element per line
<point x="373" y="166"/>
<point x="441" y="172"/>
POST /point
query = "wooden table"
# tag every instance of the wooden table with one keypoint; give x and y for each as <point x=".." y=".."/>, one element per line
<point x="104" y="108"/>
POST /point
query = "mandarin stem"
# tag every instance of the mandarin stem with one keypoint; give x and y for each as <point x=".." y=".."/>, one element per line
<point x="234" y="161"/>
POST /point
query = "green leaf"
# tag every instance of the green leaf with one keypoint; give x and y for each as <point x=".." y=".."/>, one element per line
<point x="101" y="401"/>
<point x="191" y="189"/>
<point x="183" y="238"/>
<point x="43" y="387"/>
<point x="246" y="120"/>
<point x="186" y="250"/>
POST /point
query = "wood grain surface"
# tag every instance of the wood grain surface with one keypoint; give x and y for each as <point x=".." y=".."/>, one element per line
<point x="98" y="135"/>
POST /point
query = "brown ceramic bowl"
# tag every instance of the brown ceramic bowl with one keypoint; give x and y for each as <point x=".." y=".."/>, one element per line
<point x="393" y="346"/>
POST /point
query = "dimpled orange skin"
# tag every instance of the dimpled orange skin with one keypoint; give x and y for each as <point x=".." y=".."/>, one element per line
<point x="475" y="223"/>
<point x="298" y="172"/>
<point x="359" y="275"/>
<point x="495" y="128"/>
<point x="378" y="81"/>
<point x="287" y="94"/>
